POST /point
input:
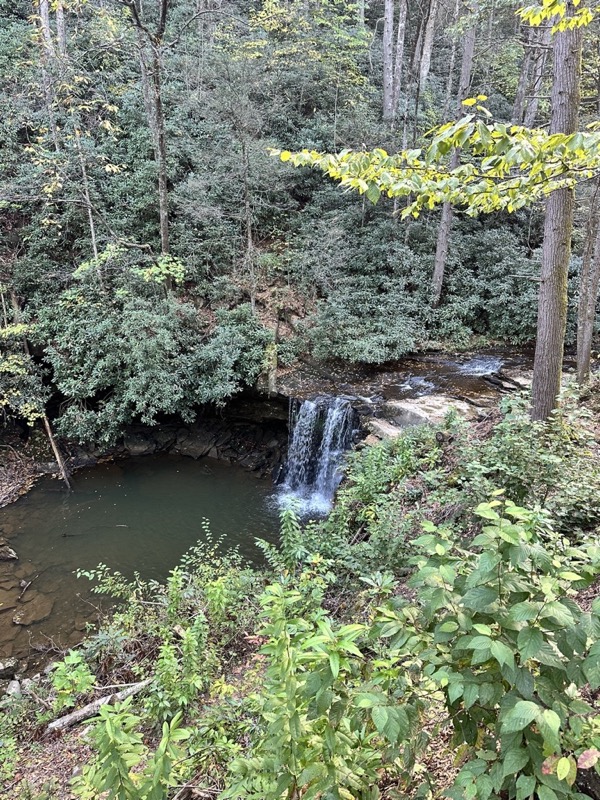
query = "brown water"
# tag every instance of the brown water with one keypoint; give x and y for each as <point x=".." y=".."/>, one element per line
<point x="141" y="514"/>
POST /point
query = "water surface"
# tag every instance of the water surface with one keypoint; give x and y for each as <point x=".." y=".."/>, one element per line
<point x="136" y="515"/>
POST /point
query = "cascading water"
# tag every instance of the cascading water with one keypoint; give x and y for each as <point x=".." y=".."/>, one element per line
<point x="321" y="430"/>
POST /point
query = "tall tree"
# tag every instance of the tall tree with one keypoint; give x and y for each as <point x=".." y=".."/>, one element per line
<point x="393" y="56"/>
<point x="558" y="225"/>
<point x="531" y="76"/>
<point x="588" y="288"/>
<point x="443" y="238"/>
<point x="151" y="45"/>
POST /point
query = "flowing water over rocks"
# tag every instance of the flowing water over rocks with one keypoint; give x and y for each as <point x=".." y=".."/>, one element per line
<point x="321" y="430"/>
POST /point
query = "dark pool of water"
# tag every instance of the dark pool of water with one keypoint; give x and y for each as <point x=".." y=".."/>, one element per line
<point x="141" y="514"/>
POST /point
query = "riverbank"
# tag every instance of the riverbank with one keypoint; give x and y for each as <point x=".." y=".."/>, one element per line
<point x="346" y="572"/>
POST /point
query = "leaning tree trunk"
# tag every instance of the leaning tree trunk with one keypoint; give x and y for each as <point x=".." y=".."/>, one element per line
<point x="588" y="289"/>
<point x="443" y="240"/>
<point x="558" y="224"/>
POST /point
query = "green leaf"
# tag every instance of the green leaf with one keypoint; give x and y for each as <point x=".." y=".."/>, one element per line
<point x="502" y="653"/>
<point x="562" y="768"/>
<point x="448" y="627"/>
<point x="373" y="193"/>
<point x="311" y="773"/>
<point x="522" y="612"/>
<point x="545" y="793"/>
<point x="520" y="716"/>
<point x="549" y="725"/>
<point x="479" y="598"/>
<point x="379" y="715"/>
<point x="529" y="642"/>
<point x="525" y="786"/>
<point x="334" y="663"/>
<point x="514" y="761"/>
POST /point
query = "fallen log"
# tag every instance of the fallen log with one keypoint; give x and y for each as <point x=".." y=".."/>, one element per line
<point x="88" y="711"/>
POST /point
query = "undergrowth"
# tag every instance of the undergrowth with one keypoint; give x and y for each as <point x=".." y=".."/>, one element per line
<point x="431" y="613"/>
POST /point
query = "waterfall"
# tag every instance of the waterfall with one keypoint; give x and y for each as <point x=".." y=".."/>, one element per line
<point x="320" y="431"/>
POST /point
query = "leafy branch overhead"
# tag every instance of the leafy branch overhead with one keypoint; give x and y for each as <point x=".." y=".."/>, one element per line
<point x="505" y="167"/>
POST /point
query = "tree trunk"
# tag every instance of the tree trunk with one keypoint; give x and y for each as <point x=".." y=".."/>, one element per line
<point x="44" y="17"/>
<point x="428" y="35"/>
<point x="539" y="66"/>
<point x="61" y="30"/>
<point x="588" y="289"/>
<point x="450" y="81"/>
<point x="161" y="153"/>
<point x="399" y="57"/>
<point x="524" y="79"/>
<point x="443" y="239"/>
<point x="558" y="224"/>
<point x="388" y="60"/>
<point x="151" y="73"/>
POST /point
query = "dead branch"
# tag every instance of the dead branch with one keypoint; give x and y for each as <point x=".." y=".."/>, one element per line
<point x="91" y="709"/>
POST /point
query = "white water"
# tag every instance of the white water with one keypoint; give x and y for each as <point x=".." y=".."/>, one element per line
<point x="322" y="431"/>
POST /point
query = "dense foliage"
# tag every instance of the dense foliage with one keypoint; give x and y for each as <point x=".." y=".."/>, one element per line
<point x="419" y="641"/>
<point x="176" y="210"/>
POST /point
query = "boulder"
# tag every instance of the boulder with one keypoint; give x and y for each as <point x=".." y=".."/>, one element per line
<point x="37" y="608"/>
<point x="382" y="429"/>
<point x="139" y="444"/>
<point x="9" y="667"/>
<point x="430" y="409"/>
<point x="14" y="689"/>
<point x="194" y="442"/>
<point x="7" y="553"/>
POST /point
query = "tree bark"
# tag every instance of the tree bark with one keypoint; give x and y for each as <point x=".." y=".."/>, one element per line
<point x="588" y="289"/>
<point x="44" y="17"/>
<point x="558" y="224"/>
<point x="151" y="73"/>
<point x="524" y="79"/>
<point x="443" y="239"/>
<point x="399" y="56"/>
<point x="388" y="60"/>
<point x="428" y="36"/>
<point x="539" y="66"/>
<point x="61" y="29"/>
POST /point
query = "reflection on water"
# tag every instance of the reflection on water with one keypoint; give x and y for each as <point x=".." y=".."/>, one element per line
<point x="139" y="515"/>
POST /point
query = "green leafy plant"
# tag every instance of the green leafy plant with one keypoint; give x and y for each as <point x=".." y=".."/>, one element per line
<point x="510" y="649"/>
<point x="125" y="768"/>
<point x="70" y="678"/>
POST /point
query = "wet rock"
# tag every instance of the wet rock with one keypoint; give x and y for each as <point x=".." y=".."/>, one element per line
<point x="427" y="409"/>
<point x="9" y="667"/>
<point x="382" y="429"/>
<point x="38" y="608"/>
<point x="194" y="443"/>
<point x="7" y="553"/>
<point x="8" y="600"/>
<point x="139" y="444"/>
